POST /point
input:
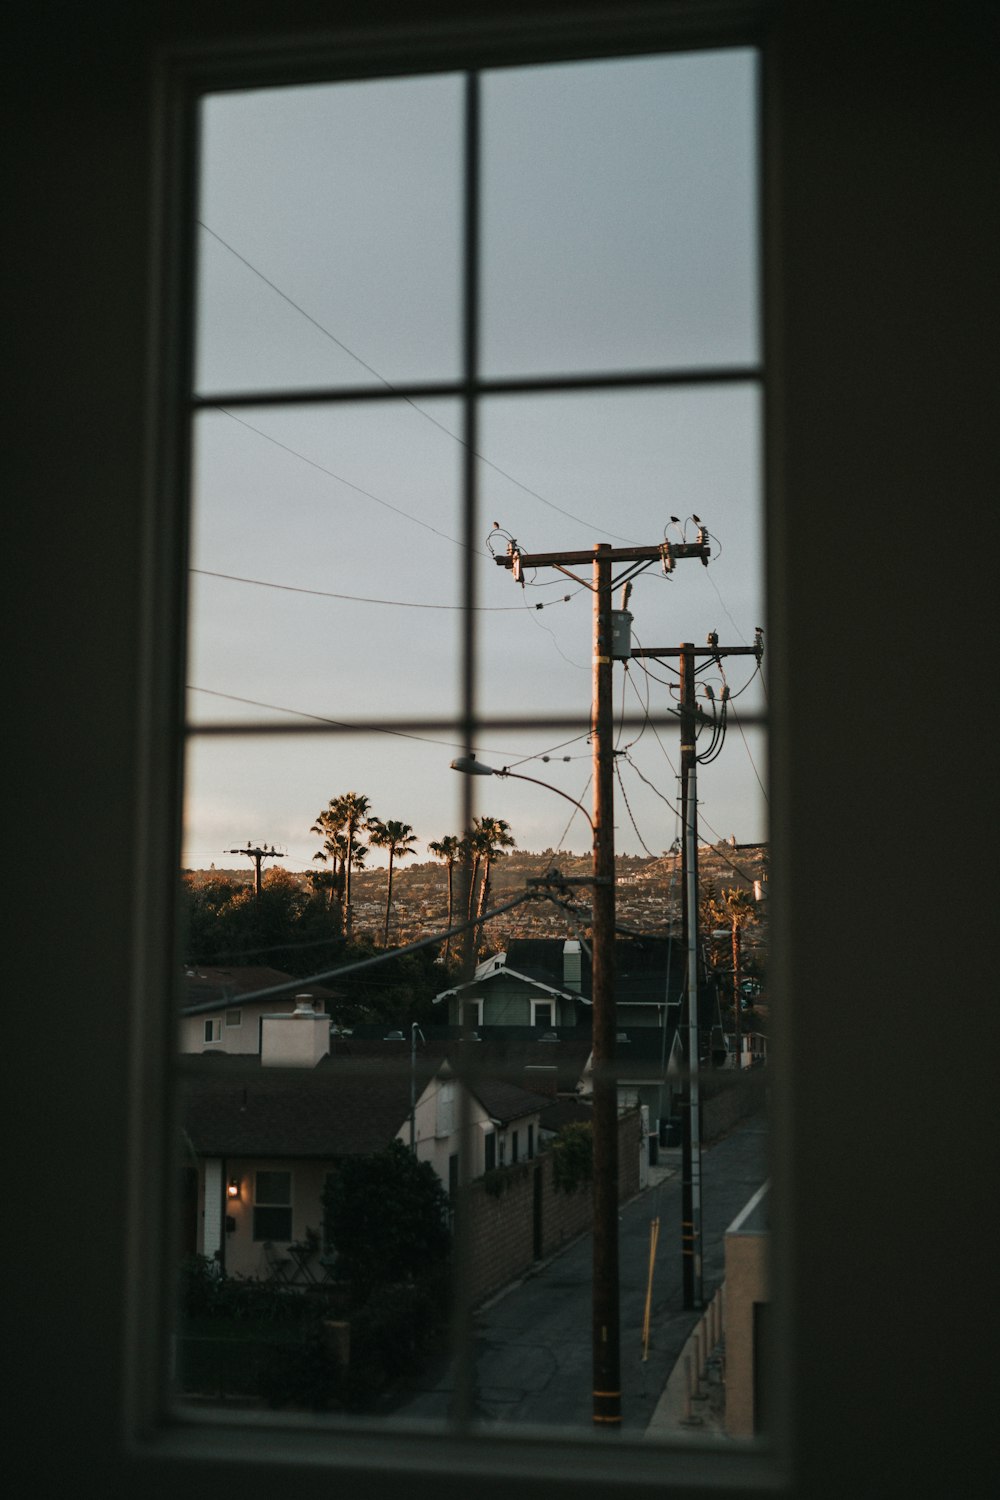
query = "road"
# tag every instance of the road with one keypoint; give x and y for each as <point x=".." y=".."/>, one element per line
<point x="533" y="1356"/>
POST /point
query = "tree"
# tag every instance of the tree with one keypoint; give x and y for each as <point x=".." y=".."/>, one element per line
<point x="449" y="850"/>
<point x="728" y="915"/>
<point x="494" y="839"/>
<point x="400" y="840"/>
<point x="339" y="823"/>
<point x="386" y="1216"/>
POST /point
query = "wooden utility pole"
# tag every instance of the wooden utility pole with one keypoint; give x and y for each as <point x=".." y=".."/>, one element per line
<point x="258" y="855"/>
<point x="606" y="1331"/>
<point x="691" y="1237"/>
<point x="691" y="1114"/>
<point x="606" y="1321"/>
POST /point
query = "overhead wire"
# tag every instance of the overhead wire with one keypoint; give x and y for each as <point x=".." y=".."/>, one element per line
<point x="340" y="478"/>
<point x="389" y="386"/>
<point x="290" y="588"/>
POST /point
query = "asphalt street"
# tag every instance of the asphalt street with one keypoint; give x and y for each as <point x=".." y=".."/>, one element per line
<point x="533" y="1355"/>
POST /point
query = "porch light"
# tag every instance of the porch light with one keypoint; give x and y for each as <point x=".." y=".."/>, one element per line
<point x="233" y="1189"/>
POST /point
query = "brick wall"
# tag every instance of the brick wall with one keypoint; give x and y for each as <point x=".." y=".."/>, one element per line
<point x="502" y="1227"/>
<point x="728" y="1097"/>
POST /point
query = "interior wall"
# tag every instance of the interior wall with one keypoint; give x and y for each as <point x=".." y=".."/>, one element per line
<point x="883" y="233"/>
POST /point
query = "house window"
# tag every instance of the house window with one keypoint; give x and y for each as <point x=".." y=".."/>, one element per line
<point x="542" y="1014"/>
<point x="490" y="1145"/>
<point x="445" y="1110"/>
<point x="213" y="1030"/>
<point x="272" y="1206"/>
<point x="513" y="1147"/>
<point x="234" y="1018"/>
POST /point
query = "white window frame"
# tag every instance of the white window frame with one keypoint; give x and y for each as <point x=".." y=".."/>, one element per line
<point x="552" y="1006"/>
<point x="232" y="1024"/>
<point x="465" y="1007"/>
<point x="212" y="1029"/>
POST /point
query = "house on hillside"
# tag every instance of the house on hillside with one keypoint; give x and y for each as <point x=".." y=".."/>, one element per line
<point x="221" y="1011"/>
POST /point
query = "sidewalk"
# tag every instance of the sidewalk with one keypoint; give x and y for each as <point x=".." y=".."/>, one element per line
<point x="676" y="1417"/>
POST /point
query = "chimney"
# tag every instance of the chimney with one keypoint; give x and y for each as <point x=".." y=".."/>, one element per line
<point x="572" y="965"/>
<point x="296" y="1040"/>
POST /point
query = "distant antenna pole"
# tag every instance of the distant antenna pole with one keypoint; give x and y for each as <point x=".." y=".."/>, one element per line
<point x="258" y="854"/>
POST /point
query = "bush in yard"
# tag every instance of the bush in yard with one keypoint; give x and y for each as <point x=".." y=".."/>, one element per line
<point x="573" y="1156"/>
<point x="386" y="1217"/>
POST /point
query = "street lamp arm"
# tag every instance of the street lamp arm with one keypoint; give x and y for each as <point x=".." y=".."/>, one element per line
<point x="470" y="766"/>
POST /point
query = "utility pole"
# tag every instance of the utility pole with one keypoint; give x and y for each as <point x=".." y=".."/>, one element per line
<point x="691" y="1115"/>
<point x="258" y="855"/>
<point x="606" y="1332"/>
<point x="691" y="1236"/>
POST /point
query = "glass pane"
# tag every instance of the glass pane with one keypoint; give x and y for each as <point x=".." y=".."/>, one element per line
<point x="326" y="558"/>
<point x="616" y="467"/>
<point x="620" y="215"/>
<point x="329" y="242"/>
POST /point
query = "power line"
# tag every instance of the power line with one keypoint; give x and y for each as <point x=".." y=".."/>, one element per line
<point x="331" y="474"/>
<point x="290" y="588"/>
<point x="389" y="386"/>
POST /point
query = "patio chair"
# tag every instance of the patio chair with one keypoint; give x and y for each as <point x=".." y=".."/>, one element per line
<point x="278" y="1266"/>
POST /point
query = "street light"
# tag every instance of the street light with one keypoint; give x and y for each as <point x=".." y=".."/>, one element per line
<point x="605" y="1288"/>
<point x="470" y="766"/>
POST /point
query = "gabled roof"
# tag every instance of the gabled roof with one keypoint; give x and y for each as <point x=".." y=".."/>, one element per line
<point x="641" y="966"/>
<point x="499" y="966"/>
<point x="505" y="1102"/>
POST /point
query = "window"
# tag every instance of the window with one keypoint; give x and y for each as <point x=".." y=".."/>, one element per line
<point x="234" y="1018"/>
<point x="541" y="1014"/>
<point x="213" y="1030"/>
<point x="445" y="1110"/>
<point x="544" y="312"/>
<point x="531" y="1141"/>
<point x="272" y="1206"/>
<point x="472" y="1014"/>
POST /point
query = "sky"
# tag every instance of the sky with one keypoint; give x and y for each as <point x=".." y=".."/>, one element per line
<point x="619" y="232"/>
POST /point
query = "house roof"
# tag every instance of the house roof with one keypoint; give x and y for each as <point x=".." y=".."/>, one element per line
<point x="316" y="1112"/>
<point x="641" y="969"/>
<point x="351" y="1104"/>
<point x="206" y="987"/>
<point x="506" y="1102"/>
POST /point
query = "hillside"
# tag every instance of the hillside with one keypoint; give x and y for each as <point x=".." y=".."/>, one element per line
<point x="648" y="894"/>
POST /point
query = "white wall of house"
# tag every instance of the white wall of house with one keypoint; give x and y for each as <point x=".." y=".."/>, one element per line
<point x="232" y="1026"/>
<point x="438" y="1131"/>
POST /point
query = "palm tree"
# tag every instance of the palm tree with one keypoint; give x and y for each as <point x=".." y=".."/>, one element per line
<point x="449" y="850"/>
<point x="729" y="915"/>
<point x="400" y="840"/>
<point x="339" y="822"/>
<point x="494" y="838"/>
